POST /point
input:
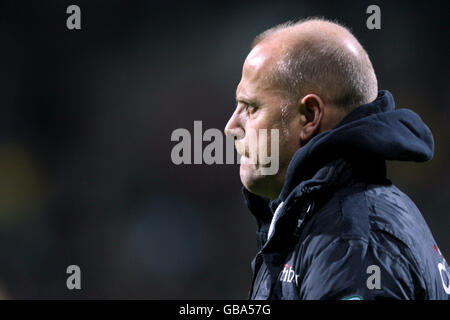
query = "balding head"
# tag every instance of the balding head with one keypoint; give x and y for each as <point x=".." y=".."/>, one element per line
<point x="300" y="79"/>
<point x="321" y="57"/>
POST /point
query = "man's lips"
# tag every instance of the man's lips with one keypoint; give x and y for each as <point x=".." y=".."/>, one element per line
<point x="245" y="161"/>
<point x="240" y="148"/>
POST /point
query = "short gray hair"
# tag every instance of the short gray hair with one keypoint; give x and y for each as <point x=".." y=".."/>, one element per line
<point x="324" y="68"/>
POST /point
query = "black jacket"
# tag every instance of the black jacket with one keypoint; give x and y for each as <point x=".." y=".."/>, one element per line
<point x="340" y="229"/>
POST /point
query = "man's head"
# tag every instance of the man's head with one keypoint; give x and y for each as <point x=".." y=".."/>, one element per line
<point x="301" y="79"/>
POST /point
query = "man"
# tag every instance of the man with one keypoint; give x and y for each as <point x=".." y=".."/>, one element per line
<point x="330" y="225"/>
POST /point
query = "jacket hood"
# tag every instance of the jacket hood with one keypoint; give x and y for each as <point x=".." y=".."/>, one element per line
<point x="374" y="131"/>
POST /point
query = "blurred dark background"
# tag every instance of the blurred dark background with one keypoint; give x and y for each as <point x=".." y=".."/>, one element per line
<point x="86" y="117"/>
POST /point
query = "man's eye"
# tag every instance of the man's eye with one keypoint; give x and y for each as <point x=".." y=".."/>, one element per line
<point x="250" y="108"/>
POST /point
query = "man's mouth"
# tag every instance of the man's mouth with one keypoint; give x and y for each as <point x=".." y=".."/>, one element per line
<point x="240" y="148"/>
<point x="246" y="159"/>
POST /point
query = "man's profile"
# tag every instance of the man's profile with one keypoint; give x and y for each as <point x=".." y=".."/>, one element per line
<point x="330" y="224"/>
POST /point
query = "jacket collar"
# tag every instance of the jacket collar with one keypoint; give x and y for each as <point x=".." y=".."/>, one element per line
<point x="366" y="137"/>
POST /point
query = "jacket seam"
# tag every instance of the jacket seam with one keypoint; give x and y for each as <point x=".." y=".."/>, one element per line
<point x="406" y="246"/>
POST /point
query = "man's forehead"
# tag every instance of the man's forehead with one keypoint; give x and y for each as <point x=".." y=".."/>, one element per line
<point x="262" y="58"/>
<point x="256" y="58"/>
<point x="257" y="69"/>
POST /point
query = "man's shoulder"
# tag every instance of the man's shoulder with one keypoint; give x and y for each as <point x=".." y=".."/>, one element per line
<point x="392" y="213"/>
<point x="365" y="225"/>
<point x="376" y="213"/>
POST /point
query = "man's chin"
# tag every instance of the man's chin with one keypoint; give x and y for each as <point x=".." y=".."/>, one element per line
<point x="252" y="180"/>
<point x="260" y="184"/>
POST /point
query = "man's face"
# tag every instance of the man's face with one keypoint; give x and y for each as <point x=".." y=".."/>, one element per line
<point x="261" y="104"/>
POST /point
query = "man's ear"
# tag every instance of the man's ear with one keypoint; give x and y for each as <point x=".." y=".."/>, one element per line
<point x="311" y="109"/>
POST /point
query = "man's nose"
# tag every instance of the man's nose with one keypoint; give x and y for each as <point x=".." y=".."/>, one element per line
<point x="233" y="127"/>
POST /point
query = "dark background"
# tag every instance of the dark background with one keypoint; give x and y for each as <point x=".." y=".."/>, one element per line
<point x="86" y="117"/>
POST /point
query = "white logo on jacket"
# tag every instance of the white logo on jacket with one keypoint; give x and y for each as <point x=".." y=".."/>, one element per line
<point x="288" y="275"/>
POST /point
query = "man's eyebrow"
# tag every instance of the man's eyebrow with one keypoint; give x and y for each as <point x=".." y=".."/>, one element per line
<point x="246" y="100"/>
<point x="239" y="99"/>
